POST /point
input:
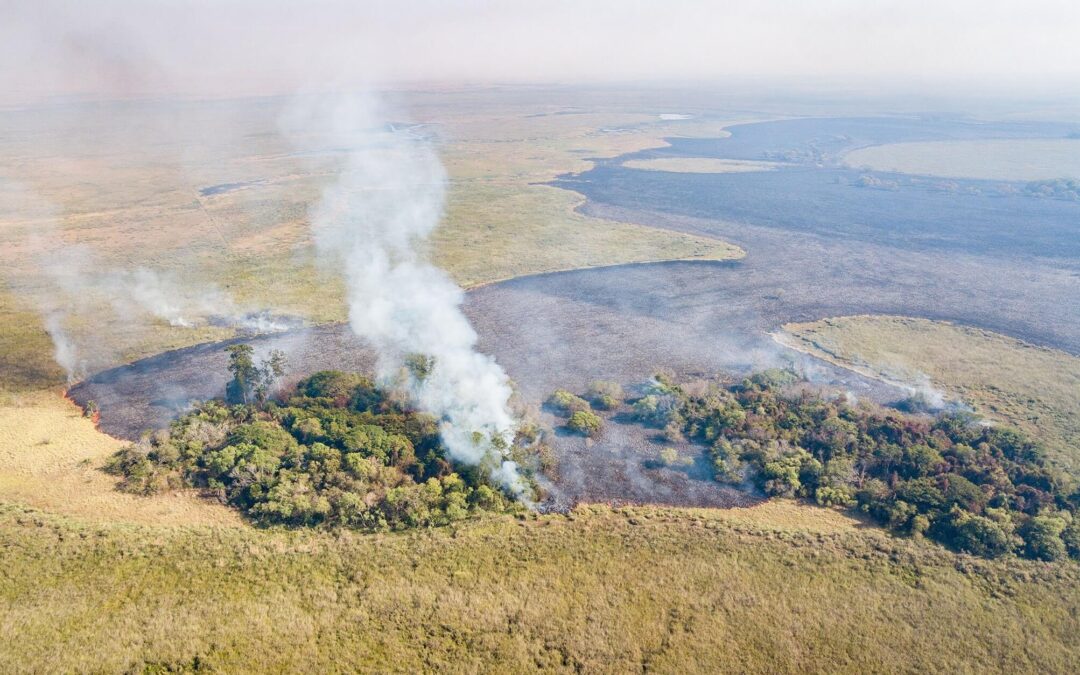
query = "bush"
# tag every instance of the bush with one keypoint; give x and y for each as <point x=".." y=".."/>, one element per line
<point x="829" y="496"/>
<point x="585" y="423"/>
<point x="567" y="403"/>
<point x="978" y="535"/>
<point x="727" y="464"/>
<point x="1042" y="537"/>
<point x="669" y="456"/>
<point x="605" y="395"/>
<point x="658" y="410"/>
<point x="1070" y="536"/>
<point x="91" y="409"/>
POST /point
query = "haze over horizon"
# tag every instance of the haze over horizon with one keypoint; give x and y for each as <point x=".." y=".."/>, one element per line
<point x="122" y="48"/>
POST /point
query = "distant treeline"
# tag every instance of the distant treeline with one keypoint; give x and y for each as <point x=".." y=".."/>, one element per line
<point x="979" y="488"/>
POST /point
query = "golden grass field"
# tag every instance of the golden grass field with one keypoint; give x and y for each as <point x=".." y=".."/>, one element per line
<point x="1033" y="388"/>
<point x="51" y="457"/>
<point x="597" y="590"/>
<point x="999" y="159"/>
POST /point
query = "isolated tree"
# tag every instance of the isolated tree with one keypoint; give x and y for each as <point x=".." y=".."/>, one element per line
<point x="250" y="382"/>
<point x="585" y="423"/>
<point x="605" y="395"/>
<point x="420" y="366"/>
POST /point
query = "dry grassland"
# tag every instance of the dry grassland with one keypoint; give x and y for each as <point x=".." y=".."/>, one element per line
<point x="599" y="590"/>
<point x="50" y="459"/>
<point x="125" y="187"/>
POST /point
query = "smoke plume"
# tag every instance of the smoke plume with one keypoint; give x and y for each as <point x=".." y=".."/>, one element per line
<point x="77" y="284"/>
<point x="372" y="223"/>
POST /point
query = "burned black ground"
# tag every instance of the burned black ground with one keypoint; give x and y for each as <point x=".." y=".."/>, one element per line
<point x="622" y="323"/>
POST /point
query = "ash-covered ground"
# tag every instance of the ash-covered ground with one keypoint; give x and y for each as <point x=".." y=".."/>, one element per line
<point x="551" y="331"/>
<point x="623" y="323"/>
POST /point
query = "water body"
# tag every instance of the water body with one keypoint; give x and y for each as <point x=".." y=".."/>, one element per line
<point x="815" y="194"/>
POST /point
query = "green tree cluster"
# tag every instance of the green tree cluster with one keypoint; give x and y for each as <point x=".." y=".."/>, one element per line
<point x="337" y="452"/>
<point x="978" y="488"/>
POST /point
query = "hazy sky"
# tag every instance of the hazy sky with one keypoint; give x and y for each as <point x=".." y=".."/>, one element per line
<point x="218" y="47"/>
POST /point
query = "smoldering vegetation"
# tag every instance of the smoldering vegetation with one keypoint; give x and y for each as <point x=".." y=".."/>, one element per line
<point x="623" y="323"/>
<point x="547" y="332"/>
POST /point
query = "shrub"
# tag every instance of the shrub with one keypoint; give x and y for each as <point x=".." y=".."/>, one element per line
<point x="91" y="409"/>
<point x="727" y="465"/>
<point x="1042" y="537"/>
<point x="605" y="395"/>
<point x="658" y="410"/>
<point x="585" y="423"/>
<point x="1070" y="536"/>
<point x="567" y="403"/>
<point x="978" y="535"/>
<point x="829" y="496"/>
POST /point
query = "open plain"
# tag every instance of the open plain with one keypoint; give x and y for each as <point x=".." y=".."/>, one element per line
<point x="578" y="267"/>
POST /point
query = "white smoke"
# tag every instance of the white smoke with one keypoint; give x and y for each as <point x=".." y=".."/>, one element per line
<point x="160" y="295"/>
<point x="925" y="393"/>
<point x="77" y="284"/>
<point x="371" y="223"/>
<point x="65" y="353"/>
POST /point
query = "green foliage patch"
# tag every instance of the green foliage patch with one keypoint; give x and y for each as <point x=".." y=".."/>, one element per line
<point x="982" y="489"/>
<point x="338" y="452"/>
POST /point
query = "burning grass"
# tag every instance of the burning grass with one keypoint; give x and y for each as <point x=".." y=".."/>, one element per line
<point x="129" y="189"/>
